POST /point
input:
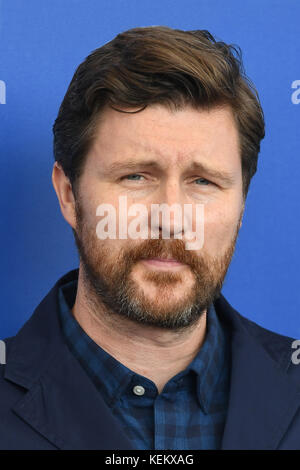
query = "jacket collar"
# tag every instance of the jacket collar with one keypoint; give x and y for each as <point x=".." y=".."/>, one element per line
<point x="64" y="406"/>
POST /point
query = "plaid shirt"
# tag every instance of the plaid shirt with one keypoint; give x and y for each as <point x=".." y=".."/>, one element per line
<point x="189" y="413"/>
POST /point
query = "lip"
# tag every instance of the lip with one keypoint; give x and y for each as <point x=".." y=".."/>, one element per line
<point x="163" y="263"/>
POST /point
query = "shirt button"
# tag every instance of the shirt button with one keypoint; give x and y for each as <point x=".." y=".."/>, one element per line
<point x="138" y="390"/>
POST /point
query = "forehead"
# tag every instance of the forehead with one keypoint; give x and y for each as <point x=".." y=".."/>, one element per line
<point x="172" y="138"/>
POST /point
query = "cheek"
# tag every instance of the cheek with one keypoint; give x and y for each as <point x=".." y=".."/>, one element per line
<point x="97" y="208"/>
<point x="219" y="231"/>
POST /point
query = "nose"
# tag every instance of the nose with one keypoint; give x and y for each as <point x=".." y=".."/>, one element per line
<point x="166" y="215"/>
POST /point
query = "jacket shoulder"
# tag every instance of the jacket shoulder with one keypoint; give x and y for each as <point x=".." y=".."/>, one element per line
<point x="278" y="346"/>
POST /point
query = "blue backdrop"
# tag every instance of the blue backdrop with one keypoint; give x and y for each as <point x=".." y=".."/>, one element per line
<point x="41" y="44"/>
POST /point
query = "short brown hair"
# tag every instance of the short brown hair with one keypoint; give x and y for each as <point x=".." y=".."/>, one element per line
<point x="157" y="65"/>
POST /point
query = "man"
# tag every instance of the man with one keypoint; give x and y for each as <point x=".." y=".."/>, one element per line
<point x="138" y="348"/>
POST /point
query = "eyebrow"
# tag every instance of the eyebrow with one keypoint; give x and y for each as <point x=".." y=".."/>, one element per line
<point x="221" y="175"/>
<point x="225" y="176"/>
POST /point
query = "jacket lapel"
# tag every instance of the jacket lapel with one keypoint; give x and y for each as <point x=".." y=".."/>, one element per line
<point x="67" y="409"/>
<point x="263" y="397"/>
<point x="61" y="402"/>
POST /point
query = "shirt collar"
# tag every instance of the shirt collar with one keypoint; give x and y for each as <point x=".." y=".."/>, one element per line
<point x="109" y="375"/>
<point x="209" y="364"/>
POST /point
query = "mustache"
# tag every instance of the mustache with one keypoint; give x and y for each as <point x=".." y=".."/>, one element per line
<point x="159" y="248"/>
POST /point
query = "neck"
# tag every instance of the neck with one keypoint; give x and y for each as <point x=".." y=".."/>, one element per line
<point x="153" y="352"/>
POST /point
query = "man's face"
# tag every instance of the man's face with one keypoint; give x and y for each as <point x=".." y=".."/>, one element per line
<point x="152" y="157"/>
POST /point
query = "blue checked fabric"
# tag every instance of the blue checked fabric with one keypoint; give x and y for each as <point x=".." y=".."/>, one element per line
<point x="188" y="414"/>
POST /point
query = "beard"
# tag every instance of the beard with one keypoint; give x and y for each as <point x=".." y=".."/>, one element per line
<point x="110" y="287"/>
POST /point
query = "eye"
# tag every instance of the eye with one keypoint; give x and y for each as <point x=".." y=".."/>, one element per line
<point x="203" y="180"/>
<point x="132" y="177"/>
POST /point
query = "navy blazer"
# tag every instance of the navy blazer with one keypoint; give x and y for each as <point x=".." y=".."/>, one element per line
<point x="47" y="401"/>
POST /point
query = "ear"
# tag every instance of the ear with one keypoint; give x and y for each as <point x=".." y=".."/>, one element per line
<point x="64" y="194"/>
